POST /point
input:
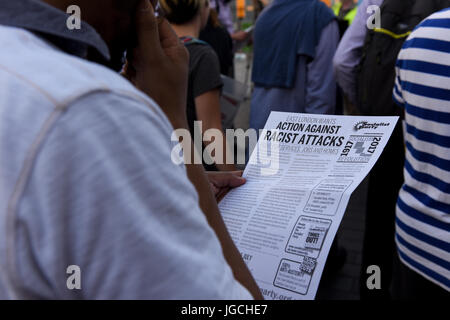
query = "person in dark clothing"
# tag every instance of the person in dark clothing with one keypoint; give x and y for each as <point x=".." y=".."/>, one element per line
<point x="220" y="40"/>
<point x="385" y="179"/>
<point x="188" y="18"/>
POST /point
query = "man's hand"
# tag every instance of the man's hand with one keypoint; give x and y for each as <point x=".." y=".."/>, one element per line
<point x="222" y="182"/>
<point x="159" y="65"/>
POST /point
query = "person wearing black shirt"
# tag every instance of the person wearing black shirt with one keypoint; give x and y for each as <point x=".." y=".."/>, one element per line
<point x="188" y="18"/>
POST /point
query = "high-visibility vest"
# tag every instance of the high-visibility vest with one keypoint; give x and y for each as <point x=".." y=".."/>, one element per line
<point x="350" y="16"/>
<point x="327" y="2"/>
<point x="240" y="9"/>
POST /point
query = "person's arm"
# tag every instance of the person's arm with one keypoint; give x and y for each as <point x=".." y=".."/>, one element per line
<point x="321" y="84"/>
<point x="160" y="69"/>
<point x="240" y="35"/>
<point x="206" y="83"/>
<point x="207" y="107"/>
<point x="348" y="54"/>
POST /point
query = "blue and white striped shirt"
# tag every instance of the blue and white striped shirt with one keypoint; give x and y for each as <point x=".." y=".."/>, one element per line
<point x="423" y="208"/>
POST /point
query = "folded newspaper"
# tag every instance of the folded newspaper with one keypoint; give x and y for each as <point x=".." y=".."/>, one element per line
<point x="299" y="180"/>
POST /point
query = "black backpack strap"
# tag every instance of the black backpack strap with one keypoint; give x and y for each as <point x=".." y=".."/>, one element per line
<point x="376" y="71"/>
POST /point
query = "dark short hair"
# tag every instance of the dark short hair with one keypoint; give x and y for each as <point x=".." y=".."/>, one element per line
<point x="180" y="11"/>
<point x="127" y="5"/>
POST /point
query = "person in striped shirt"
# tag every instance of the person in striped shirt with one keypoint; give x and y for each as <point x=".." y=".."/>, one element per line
<point x="423" y="208"/>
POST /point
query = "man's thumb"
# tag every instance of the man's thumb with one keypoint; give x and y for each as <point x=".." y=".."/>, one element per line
<point x="230" y="180"/>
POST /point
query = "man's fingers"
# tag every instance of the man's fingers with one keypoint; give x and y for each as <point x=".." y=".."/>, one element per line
<point x="147" y="28"/>
<point x="235" y="181"/>
<point x="238" y="173"/>
<point x="214" y="189"/>
<point x="228" y="179"/>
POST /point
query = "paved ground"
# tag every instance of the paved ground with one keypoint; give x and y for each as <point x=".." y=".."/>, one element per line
<point x="344" y="285"/>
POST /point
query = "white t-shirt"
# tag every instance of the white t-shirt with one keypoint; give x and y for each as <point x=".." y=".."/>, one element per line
<point x="86" y="179"/>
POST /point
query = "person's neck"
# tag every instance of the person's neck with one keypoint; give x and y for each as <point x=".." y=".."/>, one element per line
<point x="187" y="30"/>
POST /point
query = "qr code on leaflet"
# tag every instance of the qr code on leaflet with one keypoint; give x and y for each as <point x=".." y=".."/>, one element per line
<point x="308" y="265"/>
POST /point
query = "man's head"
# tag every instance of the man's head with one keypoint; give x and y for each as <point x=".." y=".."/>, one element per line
<point x="112" y="19"/>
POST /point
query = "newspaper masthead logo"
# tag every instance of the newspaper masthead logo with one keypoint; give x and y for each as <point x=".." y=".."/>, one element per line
<point x="366" y="125"/>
